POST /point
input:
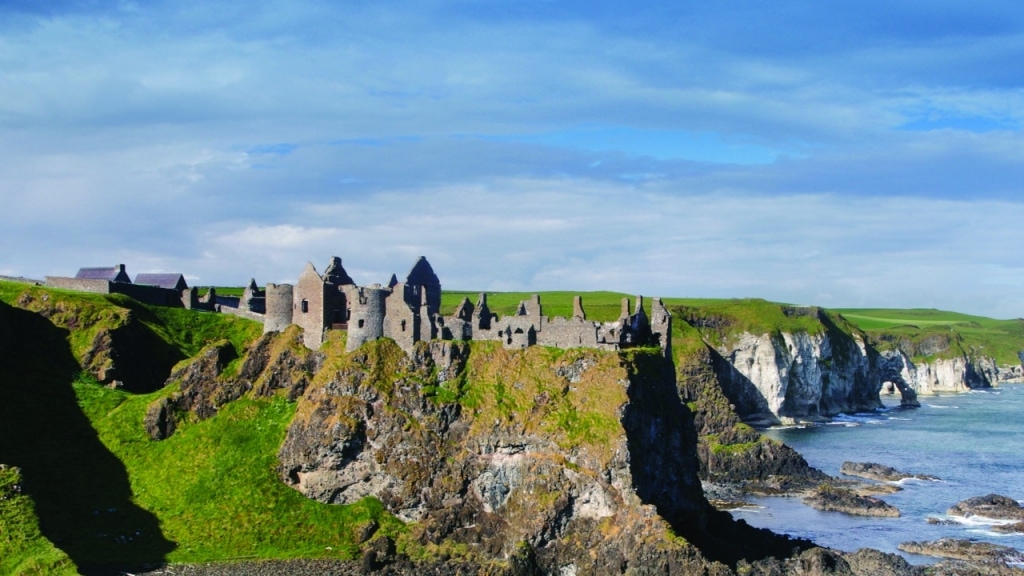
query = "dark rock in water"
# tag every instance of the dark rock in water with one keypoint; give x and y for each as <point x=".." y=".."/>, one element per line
<point x="826" y="562"/>
<point x="980" y="557"/>
<point x="1015" y="528"/>
<point x="868" y="561"/>
<point x="941" y="521"/>
<point x="832" y="499"/>
<point x="880" y="472"/>
<point x="989" y="506"/>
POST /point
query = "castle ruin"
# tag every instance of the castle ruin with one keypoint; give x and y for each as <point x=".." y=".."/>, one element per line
<point x="409" y="312"/>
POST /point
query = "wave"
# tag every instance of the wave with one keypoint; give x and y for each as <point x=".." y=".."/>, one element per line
<point x="940" y="407"/>
<point x="858" y="418"/>
<point x="978" y="522"/>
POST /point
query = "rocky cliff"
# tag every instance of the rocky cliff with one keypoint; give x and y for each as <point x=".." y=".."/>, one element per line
<point x="587" y="458"/>
<point x="956" y="374"/>
<point x="806" y="364"/>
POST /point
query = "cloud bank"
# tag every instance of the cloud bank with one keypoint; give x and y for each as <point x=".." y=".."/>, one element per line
<point x="859" y="154"/>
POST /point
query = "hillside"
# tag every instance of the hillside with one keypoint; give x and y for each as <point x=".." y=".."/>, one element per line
<point x="102" y="490"/>
<point x="460" y="454"/>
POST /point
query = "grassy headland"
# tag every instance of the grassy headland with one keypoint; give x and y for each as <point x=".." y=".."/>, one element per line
<point x="938" y="333"/>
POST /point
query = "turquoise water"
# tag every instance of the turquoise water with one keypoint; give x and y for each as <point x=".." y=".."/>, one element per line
<point x="974" y="442"/>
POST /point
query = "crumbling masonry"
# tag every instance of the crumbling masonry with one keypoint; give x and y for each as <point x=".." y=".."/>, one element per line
<point x="409" y="312"/>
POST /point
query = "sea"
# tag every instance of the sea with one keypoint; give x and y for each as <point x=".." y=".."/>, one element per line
<point x="973" y="442"/>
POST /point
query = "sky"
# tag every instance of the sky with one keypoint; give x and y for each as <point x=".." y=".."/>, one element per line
<point x="841" y="154"/>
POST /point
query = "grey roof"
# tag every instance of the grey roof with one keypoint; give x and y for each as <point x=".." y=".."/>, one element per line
<point x="113" y="274"/>
<point x="172" y="281"/>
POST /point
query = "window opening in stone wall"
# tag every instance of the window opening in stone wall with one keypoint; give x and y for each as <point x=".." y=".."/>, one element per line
<point x="403" y="325"/>
<point x="305" y="305"/>
<point x="360" y="322"/>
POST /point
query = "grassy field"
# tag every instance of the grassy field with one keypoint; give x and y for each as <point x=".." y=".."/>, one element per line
<point x="975" y="335"/>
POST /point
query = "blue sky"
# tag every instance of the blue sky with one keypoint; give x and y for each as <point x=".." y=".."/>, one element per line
<point x="842" y="154"/>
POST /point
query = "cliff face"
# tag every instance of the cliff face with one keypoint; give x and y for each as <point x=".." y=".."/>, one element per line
<point x="801" y="375"/>
<point x="585" y="457"/>
<point x="957" y="374"/>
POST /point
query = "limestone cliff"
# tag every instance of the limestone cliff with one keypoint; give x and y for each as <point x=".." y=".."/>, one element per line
<point x="937" y="375"/>
<point x="732" y="454"/>
<point x="815" y="369"/>
<point x="933" y="362"/>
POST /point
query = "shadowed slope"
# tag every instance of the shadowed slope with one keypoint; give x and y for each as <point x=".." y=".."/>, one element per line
<point x="81" y="491"/>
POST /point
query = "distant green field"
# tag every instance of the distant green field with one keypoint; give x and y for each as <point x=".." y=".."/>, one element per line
<point x="599" y="306"/>
<point x="1001" y="339"/>
<point x="874" y="318"/>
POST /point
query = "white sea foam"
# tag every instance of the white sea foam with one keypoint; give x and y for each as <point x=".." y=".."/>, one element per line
<point x="859" y="418"/>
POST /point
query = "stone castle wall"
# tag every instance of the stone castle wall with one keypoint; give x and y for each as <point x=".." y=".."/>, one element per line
<point x="154" y="295"/>
<point x="407" y="313"/>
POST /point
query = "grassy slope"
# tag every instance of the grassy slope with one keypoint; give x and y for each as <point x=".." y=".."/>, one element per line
<point x="213" y="484"/>
<point x="105" y="492"/>
<point x="23" y="549"/>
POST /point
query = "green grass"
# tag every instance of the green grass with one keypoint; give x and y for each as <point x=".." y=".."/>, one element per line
<point x="973" y="335"/>
<point x="213" y="485"/>
<point x="104" y="492"/>
<point x="23" y="548"/>
<point x="599" y="306"/>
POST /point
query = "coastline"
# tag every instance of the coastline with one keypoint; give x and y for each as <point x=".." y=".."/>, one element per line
<point x="966" y="439"/>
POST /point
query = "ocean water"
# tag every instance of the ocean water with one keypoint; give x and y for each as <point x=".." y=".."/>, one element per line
<point x="973" y="442"/>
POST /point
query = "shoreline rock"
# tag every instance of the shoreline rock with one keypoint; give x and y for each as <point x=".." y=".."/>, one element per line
<point x="831" y="499"/>
<point x="980" y="557"/>
<point x="994" y="506"/>
<point x="879" y="472"/>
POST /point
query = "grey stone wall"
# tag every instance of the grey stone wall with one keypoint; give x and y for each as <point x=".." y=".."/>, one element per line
<point x="401" y="322"/>
<point x="81" y="285"/>
<point x="568" y="333"/>
<point x="308" y="310"/>
<point x="143" y="293"/>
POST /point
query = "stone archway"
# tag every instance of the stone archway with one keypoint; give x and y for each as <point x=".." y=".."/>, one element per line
<point x="908" y="397"/>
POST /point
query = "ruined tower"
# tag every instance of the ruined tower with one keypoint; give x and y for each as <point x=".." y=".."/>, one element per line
<point x="279" y="305"/>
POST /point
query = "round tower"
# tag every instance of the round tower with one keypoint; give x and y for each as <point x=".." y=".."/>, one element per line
<point x="279" y="308"/>
<point x="367" y="306"/>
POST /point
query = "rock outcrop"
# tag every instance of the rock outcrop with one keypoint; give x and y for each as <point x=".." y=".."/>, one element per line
<point x="971" y="557"/>
<point x="809" y="374"/>
<point x="113" y="344"/>
<point x="957" y="374"/>
<point x="832" y="499"/>
<point x="731" y="453"/>
<point x="991" y="506"/>
<point x="879" y="472"/>
<point x="273" y="362"/>
<point x="585" y="457"/>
